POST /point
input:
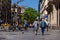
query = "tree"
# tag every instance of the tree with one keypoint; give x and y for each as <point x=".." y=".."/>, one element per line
<point x="30" y="15"/>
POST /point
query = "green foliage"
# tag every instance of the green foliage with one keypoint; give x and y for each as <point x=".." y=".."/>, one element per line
<point x="30" y="15"/>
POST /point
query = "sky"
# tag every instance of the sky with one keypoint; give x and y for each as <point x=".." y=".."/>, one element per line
<point x="28" y="3"/>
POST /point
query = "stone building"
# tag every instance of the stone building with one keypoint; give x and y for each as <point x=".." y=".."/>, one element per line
<point x="17" y="9"/>
<point x="16" y="12"/>
<point x="43" y="6"/>
<point x="53" y="12"/>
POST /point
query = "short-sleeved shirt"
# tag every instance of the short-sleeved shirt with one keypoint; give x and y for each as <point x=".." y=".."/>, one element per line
<point x="35" y="23"/>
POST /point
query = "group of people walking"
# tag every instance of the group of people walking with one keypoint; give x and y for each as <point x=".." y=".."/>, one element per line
<point x="36" y="24"/>
<point x="42" y="24"/>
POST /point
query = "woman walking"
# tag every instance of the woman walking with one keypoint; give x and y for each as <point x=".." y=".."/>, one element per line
<point x="35" y="26"/>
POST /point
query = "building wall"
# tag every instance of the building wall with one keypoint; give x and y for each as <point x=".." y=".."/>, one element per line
<point x="53" y="16"/>
<point x="6" y="10"/>
<point x="16" y="13"/>
<point x="22" y="10"/>
<point x="49" y="20"/>
<point x="43" y="7"/>
<point x="0" y="7"/>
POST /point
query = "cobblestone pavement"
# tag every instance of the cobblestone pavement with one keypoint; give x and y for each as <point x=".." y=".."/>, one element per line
<point x="29" y="35"/>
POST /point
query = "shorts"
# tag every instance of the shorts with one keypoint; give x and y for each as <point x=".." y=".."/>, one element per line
<point x="35" y="28"/>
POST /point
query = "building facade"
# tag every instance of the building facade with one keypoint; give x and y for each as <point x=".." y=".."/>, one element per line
<point x="0" y="7"/>
<point x="43" y="6"/>
<point x="16" y="12"/>
<point x="5" y="10"/>
<point x="17" y="9"/>
<point x="53" y="12"/>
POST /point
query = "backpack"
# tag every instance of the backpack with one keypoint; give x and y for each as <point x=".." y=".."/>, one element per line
<point x="43" y="24"/>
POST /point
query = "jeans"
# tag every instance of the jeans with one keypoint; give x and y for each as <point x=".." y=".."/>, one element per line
<point x="42" y="30"/>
